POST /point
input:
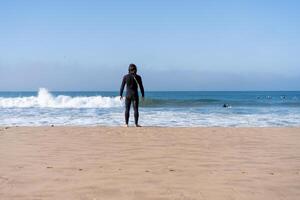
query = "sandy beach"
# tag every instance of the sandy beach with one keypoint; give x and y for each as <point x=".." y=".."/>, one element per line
<point x="149" y="163"/>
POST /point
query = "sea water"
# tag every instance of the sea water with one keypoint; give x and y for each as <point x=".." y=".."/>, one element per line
<point x="170" y="109"/>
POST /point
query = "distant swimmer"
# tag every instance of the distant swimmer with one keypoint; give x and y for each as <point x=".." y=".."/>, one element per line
<point x="283" y="97"/>
<point x="132" y="81"/>
<point x="226" y="105"/>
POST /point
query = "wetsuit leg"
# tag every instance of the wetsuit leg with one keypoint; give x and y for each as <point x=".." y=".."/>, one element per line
<point x="136" y="109"/>
<point x="127" y="109"/>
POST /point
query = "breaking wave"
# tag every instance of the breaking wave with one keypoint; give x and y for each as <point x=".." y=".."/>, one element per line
<point x="45" y="99"/>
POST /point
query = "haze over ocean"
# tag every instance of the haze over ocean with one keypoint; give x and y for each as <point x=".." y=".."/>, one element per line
<point x="177" y="45"/>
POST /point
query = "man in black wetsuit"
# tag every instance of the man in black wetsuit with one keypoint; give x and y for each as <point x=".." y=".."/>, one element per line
<point x="132" y="81"/>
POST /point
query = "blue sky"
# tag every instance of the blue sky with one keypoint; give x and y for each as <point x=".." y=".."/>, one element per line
<point x="177" y="45"/>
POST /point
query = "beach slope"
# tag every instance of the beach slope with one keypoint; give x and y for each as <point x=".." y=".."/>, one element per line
<point x="149" y="163"/>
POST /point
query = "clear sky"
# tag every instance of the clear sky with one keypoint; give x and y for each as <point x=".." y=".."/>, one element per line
<point x="177" y="45"/>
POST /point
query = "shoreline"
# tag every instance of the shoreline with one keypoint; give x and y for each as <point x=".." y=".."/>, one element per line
<point x="71" y="162"/>
<point x="150" y="127"/>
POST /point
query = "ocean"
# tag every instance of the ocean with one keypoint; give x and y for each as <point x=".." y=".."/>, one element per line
<point x="168" y="109"/>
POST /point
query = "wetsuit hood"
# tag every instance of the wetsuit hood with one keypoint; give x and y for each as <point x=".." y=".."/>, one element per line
<point x="132" y="69"/>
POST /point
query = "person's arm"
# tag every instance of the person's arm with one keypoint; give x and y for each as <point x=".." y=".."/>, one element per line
<point x="141" y="86"/>
<point x="122" y="86"/>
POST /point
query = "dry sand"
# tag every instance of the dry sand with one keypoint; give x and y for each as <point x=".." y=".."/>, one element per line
<point x="149" y="163"/>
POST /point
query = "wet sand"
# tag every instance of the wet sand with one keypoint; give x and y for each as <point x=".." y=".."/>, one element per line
<point x="149" y="163"/>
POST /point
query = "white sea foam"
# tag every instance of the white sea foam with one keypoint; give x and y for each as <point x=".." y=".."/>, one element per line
<point x="45" y="99"/>
<point x="115" y="117"/>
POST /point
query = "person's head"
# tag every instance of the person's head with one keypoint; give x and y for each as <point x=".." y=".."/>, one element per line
<point x="132" y="69"/>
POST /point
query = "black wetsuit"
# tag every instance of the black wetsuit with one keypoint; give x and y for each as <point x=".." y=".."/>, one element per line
<point x="132" y="82"/>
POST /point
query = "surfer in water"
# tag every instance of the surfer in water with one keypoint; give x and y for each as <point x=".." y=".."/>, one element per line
<point x="132" y="81"/>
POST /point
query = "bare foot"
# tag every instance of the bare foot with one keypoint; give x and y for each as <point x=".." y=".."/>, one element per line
<point x="126" y="125"/>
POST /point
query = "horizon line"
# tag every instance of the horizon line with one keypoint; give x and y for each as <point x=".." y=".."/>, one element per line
<point x="155" y="90"/>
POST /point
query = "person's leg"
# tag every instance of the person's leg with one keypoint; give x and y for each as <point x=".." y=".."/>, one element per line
<point x="127" y="109"/>
<point x="136" y="110"/>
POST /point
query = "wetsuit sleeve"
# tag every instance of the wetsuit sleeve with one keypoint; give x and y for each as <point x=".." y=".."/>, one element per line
<point x="141" y="86"/>
<point x="122" y="86"/>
